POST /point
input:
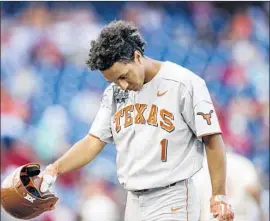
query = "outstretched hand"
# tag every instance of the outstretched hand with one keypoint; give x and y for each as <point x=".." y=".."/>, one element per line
<point x="48" y="176"/>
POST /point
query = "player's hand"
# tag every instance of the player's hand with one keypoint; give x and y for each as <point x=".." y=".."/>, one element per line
<point x="220" y="208"/>
<point x="48" y="176"/>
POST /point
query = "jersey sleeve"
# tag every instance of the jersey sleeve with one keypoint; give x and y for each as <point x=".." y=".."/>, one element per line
<point x="101" y="126"/>
<point x="197" y="108"/>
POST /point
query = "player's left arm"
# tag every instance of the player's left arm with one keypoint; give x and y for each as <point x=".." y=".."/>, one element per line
<point x="198" y="111"/>
<point x="216" y="158"/>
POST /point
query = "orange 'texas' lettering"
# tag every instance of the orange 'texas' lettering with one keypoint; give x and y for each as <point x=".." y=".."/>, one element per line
<point x="140" y="108"/>
<point x="152" y="118"/>
<point x="128" y="117"/>
<point x="117" y="117"/>
<point x="166" y="122"/>
<point x="167" y="117"/>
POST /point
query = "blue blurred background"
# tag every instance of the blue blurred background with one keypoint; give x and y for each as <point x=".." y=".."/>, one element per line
<point x="49" y="98"/>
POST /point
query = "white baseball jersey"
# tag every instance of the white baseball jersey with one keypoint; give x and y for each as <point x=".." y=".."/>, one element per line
<point x="157" y="130"/>
<point x="240" y="174"/>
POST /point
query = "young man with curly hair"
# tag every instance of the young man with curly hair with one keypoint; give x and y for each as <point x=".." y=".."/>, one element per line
<point x="160" y="116"/>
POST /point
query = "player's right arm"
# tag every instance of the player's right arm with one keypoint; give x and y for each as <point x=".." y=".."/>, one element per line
<point x="80" y="154"/>
<point x="85" y="150"/>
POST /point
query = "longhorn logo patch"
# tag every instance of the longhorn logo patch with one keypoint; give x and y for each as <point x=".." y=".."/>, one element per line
<point x="207" y="117"/>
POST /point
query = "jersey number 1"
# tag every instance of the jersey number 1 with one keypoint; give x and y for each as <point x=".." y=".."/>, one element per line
<point x="164" y="145"/>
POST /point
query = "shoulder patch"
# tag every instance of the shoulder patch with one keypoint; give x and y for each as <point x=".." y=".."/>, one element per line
<point x="120" y="95"/>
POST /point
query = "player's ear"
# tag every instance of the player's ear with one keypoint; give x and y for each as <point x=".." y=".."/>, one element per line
<point x="137" y="57"/>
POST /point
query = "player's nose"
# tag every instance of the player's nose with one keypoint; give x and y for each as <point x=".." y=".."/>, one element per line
<point x="123" y="84"/>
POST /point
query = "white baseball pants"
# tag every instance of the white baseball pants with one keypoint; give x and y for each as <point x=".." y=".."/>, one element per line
<point x="175" y="203"/>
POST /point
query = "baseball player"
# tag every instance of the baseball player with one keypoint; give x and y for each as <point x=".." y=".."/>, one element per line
<point x="160" y="116"/>
<point x="243" y="189"/>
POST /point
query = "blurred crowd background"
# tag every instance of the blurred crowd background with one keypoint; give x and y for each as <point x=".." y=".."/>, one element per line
<point x="49" y="98"/>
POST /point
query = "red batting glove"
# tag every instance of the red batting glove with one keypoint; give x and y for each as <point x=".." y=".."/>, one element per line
<point x="220" y="208"/>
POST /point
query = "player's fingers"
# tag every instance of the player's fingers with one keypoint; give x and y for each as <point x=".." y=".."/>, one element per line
<point x="226" y="217"/>
<point x="231" y="212"/>
<point x="214" y="209"/>
<point x="224" y="211"/>
<point x="229" y="216"/>
<point x="47" y="181"/>
<point x="220" y="217"/>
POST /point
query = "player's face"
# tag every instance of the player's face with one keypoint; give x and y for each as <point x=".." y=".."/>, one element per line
<point x="128" y="76"/>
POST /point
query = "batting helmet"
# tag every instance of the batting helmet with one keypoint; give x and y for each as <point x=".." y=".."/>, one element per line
<point x="20" y="194"/>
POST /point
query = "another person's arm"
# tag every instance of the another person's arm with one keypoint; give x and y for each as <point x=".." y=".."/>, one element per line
<point x="255" y="192"/>
<point x="253" y="186"/>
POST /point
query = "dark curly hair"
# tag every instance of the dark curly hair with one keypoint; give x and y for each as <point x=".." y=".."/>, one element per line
<point x="117" y="42"/>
